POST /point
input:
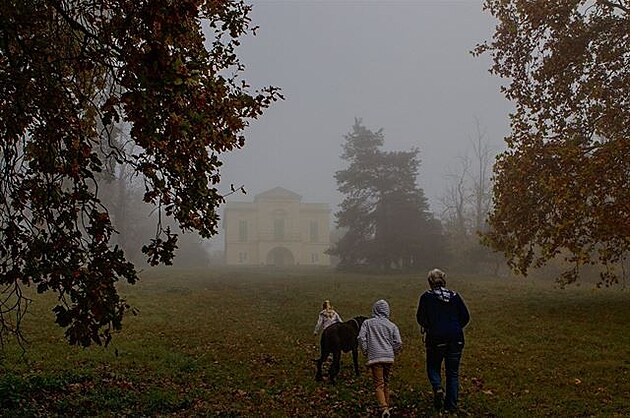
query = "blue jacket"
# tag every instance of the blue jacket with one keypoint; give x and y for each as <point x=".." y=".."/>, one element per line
<point x="443" y="315"/>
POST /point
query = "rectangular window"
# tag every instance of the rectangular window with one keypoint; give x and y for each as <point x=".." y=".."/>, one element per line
<point x="242" y="231"/>
<point x="314" y="231"/>
<point x="278" y="229"/>
<point x="242" y="257"/>
<point x="314" y="258"/>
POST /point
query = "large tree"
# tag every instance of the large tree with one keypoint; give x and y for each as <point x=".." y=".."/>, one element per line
<point x="562" y="187"/>
<point x="73" y="74"/>
<point x="384" y="212"/>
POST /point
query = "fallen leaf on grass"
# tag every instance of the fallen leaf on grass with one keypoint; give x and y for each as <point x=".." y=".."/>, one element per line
<point x="477" y="383"/>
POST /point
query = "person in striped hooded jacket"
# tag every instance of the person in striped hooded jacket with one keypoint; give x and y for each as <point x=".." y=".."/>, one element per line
<point x="379" y="339"/>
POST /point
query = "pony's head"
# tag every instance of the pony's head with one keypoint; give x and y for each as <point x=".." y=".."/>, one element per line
<point x="360" y="319"/>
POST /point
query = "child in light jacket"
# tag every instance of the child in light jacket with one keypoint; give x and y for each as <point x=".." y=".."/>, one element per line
<point x="326" y="317"/>
<point x="379" y="339"/>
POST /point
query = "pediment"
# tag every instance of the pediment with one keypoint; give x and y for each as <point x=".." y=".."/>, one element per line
<point x="278" y="193"/>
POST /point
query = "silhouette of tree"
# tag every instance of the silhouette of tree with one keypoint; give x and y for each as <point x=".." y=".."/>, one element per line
<point x="384" y="212"/>
<point x="72" y="75"/>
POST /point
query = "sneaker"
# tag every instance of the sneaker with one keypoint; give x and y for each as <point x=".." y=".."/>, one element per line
<point x="438" y="398"/>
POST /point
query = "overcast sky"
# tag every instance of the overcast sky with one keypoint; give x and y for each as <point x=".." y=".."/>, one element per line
<point x="403" y="66"/>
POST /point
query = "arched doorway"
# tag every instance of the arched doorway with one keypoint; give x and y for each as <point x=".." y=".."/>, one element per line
<point x="279" y="257"/>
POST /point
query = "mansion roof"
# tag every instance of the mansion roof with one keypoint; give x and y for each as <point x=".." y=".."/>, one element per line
<point x="278" y="193"/>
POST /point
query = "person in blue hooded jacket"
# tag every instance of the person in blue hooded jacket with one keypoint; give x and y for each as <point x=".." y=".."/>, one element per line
<point x="379" y="340"/>
<point x="442" y="314"/>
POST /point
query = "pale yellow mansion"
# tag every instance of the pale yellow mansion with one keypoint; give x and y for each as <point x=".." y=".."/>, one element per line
<point x="278" y="229"/>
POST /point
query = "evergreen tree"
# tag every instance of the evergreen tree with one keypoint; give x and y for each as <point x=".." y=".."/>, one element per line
<point x="384" y="212"/>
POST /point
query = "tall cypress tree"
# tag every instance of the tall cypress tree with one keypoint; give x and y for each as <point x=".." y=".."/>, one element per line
<point x="384" y="212"/>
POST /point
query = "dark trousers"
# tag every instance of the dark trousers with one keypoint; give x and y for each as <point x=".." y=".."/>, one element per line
<point x="450" y="354"/>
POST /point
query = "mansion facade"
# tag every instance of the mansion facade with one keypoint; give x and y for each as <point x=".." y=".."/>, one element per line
<point x="277" y="229"/>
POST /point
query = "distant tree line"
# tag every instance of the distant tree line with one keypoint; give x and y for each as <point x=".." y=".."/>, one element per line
<point x="465" y="204"/>
<point x="135" y="221"/>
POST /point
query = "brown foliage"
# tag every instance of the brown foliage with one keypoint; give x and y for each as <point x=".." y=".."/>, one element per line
<point x="562" y="185"/>
<point x="72" y="73"/>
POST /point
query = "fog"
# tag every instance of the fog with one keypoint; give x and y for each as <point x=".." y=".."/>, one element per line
<point x="403" y="66"/>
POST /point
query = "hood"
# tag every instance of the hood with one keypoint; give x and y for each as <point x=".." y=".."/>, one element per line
<point x="380" y="309"/>
<point x="442" y="293"/>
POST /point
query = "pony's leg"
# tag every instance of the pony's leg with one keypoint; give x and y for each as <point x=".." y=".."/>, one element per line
<point x="355" y="360"/>
<point x="335" y="366"/>
<point x="322" y="358"/>
<point x="318" y="375"/>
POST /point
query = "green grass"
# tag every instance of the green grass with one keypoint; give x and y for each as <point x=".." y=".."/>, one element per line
<point x="239" y="343"/>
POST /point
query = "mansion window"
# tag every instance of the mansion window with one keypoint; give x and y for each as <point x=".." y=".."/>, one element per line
<point x="278" y="229"/>
<point x="242" y="231"/>
<point x="314" y="231"/>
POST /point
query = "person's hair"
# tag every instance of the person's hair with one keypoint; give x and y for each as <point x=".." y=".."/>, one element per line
<point x="327" y="306"/>
<point x="436" y="278"/>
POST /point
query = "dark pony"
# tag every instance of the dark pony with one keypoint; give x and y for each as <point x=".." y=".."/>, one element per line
<point x="336" y="338"/>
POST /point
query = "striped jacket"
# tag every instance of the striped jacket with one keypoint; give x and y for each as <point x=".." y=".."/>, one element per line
<point x="379" y="338"/>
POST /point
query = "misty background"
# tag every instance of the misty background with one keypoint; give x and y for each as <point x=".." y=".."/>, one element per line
<point x="403" y="66"/>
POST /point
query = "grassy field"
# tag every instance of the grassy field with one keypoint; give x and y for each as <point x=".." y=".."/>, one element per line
<point x="239" y="343"/>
